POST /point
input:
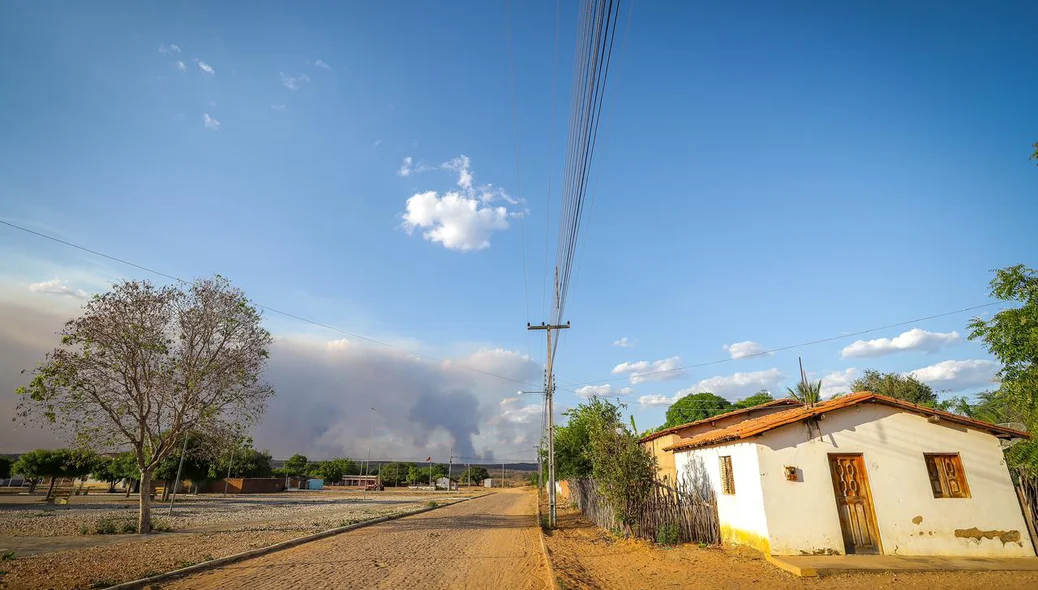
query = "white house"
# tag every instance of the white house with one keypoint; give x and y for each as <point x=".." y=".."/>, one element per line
<point x="861" y="473"/>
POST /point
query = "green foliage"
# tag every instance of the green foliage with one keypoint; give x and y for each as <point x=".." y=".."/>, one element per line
<point x="124" y="525"/>
<point x="394" y="474"/>
<point x="197" y="462"/>
<point x="296" y="465"/>
<point x="696" y="406"/>
<point x="1034" y="156"/>
<point x="8" y="555"/>
<point x="1012" y="336"/>
<point x="761" y="397"/>
<point x="475" y="474"/>
<point x="623" y="470"/>
<point x="668" y="535"/>
<point x="896" y="385"/>
<point x="333" y="470"/>
<point x="248" y="462"/>
<point x="573" y="439"/>
<point x="806" y="392"/>
<point x="431" y="504"/>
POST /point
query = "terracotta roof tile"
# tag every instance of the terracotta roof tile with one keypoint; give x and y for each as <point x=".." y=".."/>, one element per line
<point x="673" y="429"/>
<point x="755" y="426"/>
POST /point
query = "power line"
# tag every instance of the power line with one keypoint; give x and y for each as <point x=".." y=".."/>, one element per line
<point x="551" y="155"/>
<point x="265" y="307"/>
<point x="792" y="346"/>
<point x="515" y="134"/>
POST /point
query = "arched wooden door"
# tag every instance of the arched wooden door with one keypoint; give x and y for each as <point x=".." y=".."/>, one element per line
<point x="854" y="503"/>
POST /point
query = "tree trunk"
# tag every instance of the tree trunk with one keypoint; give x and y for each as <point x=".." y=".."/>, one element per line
<point x="111" y="487"/>
<point x="33" y="483"/>
<point x="129" y="487"/>
<point x="144" y="519"/>
<point x="165" y="490"/>
<point x="50" y="490"/>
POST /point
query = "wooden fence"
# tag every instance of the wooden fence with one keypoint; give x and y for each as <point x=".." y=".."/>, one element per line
<point x="1027" y="492"/>
<point x="695" y="516"/>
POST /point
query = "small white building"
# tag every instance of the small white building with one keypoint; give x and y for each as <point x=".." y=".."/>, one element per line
<point x="442" y="483"/>
<point x="861" y="473"/>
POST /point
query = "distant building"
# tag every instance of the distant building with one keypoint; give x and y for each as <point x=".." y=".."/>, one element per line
<point x="360" y="481"/>
<point x="491" y="483"/>
<point x="442" y="483"/>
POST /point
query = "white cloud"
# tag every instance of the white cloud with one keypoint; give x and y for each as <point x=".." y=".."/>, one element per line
<point x="209" y="122"/>
<point x="457" y="222"/>
<point x="461" y="219"/>
<point x="57" y="287"/>
<point x="604" y="390"/>
<point x="181" y="65"/>
<point x="958" y="375"/>
<point x="737" y="385"/>
<point x="838" y="382"/>
<point x="463" y="166"/>
<point x="745" y="349"/>
<point x="405" y="168"/>
<point x="174" y="48"/>
<point x="169" y="48"/>
<point x="322" y="64"/>
<point x="624" y="343"/>
<point x="914" y="339"/>
<point x="208" y="69"/>
<point x="661" y="370"/>
<point x="278" y="107"/>
<point x="655" y="400"/>
<point x="292" y="82"/>
<point x="377" y="143"/>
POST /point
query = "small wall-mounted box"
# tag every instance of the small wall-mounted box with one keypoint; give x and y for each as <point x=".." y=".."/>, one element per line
<point x="791" y="473"/>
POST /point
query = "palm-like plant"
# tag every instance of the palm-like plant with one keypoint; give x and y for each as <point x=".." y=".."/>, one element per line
<point x="807" y="392"/>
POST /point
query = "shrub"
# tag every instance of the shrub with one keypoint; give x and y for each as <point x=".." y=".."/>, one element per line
<point x="432" y="504"/>
<point x="7" y="556"/>
<point x="106" y="525"/>
<point x="668" y="535"/>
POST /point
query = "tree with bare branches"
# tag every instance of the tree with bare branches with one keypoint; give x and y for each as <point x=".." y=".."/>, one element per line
<point x="143" y="365"/>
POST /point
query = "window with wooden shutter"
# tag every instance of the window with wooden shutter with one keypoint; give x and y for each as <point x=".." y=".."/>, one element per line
<point x="727" y="476"/>
<point x="947" y="479"/>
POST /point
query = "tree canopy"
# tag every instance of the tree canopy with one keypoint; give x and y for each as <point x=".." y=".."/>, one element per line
<point x="296" y="465"/>
<point x="1011" y="335"/>
<point x="394" y="474"/>
<point x="696" y="406"/>
<point x="806" y="392"/>
<point x="56" y="463"/>
<point x="144" y="364"/>
<point x="474" y="474"/>
<point x="896" y="385"/>
<point x="761" y="397"/>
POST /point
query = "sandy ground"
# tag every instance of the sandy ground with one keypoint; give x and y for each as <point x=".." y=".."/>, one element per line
<point x="63" y="563"/>
<point x="584" y="556"/>
<point x="488" y="542"/>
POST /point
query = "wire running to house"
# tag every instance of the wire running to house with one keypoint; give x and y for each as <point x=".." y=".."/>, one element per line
<point x="266" y="307"/>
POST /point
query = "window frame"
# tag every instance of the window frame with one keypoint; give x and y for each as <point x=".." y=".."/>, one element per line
<point x="727" y="475"/>
<point x="941" y="486"/>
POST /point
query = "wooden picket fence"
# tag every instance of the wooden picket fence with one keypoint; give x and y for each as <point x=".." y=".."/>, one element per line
<point x="1027" y="492"/>
<point x="694" y="515"/>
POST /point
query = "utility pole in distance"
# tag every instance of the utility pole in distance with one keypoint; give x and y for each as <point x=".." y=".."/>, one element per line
<point x="450" y="464"/>
<point x="548" y="396"/>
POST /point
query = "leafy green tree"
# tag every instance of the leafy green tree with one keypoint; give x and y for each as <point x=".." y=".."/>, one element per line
<point x="59" y="463"/>
<point x="394" y="474"/>
<point x="573" y="439"/>
<point x="247" y="462"/>
<point x="806" y="392"/>
<point x="5" y="467"/>
<point x="33" y="466"/>
<point x="144" y="364"/>
<point x="1034" y="156"/>
<point x="623" y="470"/>
<point x="696" y="406"/>
<point x="761" y="397"/>
<point x="332" y="470"/>
<point x="102" y="471"/>
<point x="413" y="474"/>
<point x="896" y="385"/>
<point x="296" y="465"/>
<point x="474" y="474"/>
<point x="1011" y="335"/>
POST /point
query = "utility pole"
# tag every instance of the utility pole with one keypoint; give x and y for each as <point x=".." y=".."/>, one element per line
<point x="450" y="464"/>
<point x="502" y="474"/>
<point x="367" y="463"/>
<point x="540" y="471"/>
<point x="180" y="467"/>
<point x="225" y="480"/>
<point x="548" y="396"/>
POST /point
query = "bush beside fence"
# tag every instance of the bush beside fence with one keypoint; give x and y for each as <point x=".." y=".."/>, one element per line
<point x="667" y="507"/>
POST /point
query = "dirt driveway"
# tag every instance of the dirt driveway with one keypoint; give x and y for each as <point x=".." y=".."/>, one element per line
<point x="488" y="542"/>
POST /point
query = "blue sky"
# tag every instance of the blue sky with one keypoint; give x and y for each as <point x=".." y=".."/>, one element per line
<point x="765" y="174"/>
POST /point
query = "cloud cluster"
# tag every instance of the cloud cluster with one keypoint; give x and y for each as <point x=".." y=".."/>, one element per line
<point x="914" y="339"/>
<point x="662" y="370"/>
<point x="838" y="382"/>
<point x="206" y="68"/>
<point x="57" y="287"/>
<point x="623" y="343"/>
<point x="324" y="392"/>
<point x="462" y="219"/>
<point x="292" y="82"/>
<point x="604" y="390"/>
<point x="958" y="375"/>
<point x="733" y="387"/>
<point x="745" y="349"/>
<point x="209" y="122"/>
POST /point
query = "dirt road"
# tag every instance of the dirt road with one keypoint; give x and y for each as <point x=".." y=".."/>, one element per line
<point x="488" y="542"/>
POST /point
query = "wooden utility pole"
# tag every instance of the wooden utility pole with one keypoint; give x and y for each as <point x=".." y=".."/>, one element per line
<point x="450" y="464"/>
<point x="548" y="395"/>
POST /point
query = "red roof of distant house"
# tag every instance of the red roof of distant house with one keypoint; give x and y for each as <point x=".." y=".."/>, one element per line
<point x="755" y="426"/>
<point x="673" y="429"/>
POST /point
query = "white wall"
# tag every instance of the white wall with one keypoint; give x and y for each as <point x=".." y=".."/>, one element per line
<point x="741" y="514"/>
<point x="802" y="516"/>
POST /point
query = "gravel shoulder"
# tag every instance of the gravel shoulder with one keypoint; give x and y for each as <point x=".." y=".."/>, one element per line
<point x="585" y="556"/>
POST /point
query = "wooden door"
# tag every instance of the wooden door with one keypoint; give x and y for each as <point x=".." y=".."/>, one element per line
<point x="854" y="503"/>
